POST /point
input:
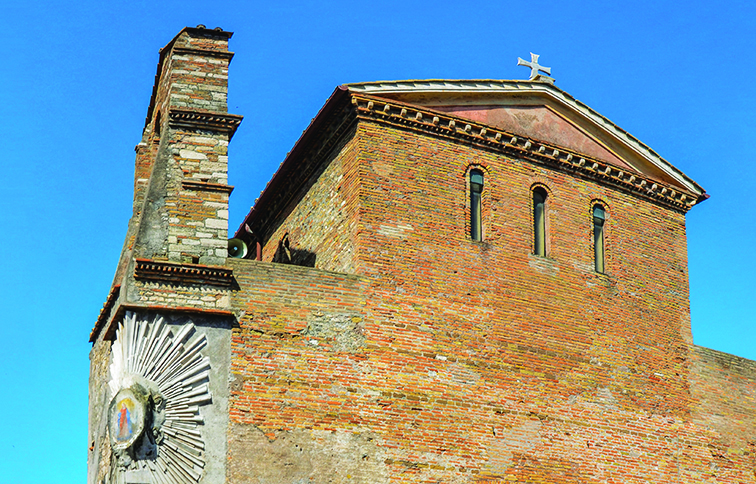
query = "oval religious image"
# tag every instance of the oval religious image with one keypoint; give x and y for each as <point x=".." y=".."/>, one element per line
<point x="127" y="412"/>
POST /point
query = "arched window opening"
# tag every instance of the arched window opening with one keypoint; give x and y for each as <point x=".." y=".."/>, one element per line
<point x="539" y="221"/>
<point x="599" y="221"/>
<point x="476" y="191"/>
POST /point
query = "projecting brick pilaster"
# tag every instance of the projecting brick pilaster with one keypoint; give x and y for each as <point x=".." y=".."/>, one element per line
<point x="181" y="177"/>
<point x="181" y="191"/>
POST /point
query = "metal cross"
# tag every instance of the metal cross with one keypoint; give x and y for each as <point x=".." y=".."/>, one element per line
<point x="534" y="66"/>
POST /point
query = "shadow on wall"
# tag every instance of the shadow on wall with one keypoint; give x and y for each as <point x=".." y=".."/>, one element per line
<point x="285" y="254"/>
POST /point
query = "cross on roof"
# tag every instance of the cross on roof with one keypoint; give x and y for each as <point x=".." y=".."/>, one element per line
<point x="535" y="67"/>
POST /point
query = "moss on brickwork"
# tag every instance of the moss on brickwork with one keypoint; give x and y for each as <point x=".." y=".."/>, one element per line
<point x="473" y="361"/>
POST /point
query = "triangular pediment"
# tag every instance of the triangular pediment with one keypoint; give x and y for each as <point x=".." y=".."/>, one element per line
<point x="539" y="111"/>
<point x="539" y="122"/>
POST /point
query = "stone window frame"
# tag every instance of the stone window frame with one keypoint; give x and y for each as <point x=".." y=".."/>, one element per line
<point x="599" y="251"/>
<point x="546" y="224"/>
<point x="484" y="196"/>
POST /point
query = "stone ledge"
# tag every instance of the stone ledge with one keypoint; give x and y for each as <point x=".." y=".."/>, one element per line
<point x="222" y="54"/>
<point x="206" y="186"/>
<point x="119" y="314"/>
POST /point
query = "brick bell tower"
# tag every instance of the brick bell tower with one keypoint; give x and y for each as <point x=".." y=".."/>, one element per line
<point x="160" y="357"/>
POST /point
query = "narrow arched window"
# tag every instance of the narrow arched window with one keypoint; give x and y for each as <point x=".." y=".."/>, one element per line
<point x="476" y="192"/>
<point x="539" y="221"/>
<point x="599" y="221"/>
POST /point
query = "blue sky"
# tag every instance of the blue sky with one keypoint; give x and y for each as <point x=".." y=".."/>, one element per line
<point x="76" y="81"/>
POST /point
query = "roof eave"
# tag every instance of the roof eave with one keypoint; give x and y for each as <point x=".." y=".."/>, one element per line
<point x="288" y="164"/>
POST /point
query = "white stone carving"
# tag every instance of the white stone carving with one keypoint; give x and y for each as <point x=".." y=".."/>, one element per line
<point x="168" y="372"/>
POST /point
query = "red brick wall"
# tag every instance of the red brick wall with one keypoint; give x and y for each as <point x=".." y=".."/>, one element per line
<point x="472" y="361"/>
<point x="296" y="355"/>
<point x="635" y="316"/>
<point x="723" y="388"/>
<point x="322" y="217"/>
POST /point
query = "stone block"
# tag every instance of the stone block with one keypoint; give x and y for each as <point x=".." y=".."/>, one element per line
<point x="216" y="223"/>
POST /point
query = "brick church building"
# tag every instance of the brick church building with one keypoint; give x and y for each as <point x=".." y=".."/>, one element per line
<point x="444" y="282"/>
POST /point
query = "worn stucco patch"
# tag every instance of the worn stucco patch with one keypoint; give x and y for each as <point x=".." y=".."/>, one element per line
<point x="303" y="456"/>
<point x="338" y="332"/>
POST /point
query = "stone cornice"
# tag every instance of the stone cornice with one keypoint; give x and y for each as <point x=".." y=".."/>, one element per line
<point x="190" y="184"/>
<point x="220" y="54"/>
<point x="447" y="126"/>
<point x="204" y="120"/>
<point x="485" y="88"/>
<point x="146" y="270"/>
<point x="202" y="31"/>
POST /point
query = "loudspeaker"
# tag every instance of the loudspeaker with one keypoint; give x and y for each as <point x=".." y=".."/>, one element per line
<point x="237" y="248"/>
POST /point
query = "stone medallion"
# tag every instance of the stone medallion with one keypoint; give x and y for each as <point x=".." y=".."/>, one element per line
<point x="127" y="416"/>
<point x="159" y="381"/>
